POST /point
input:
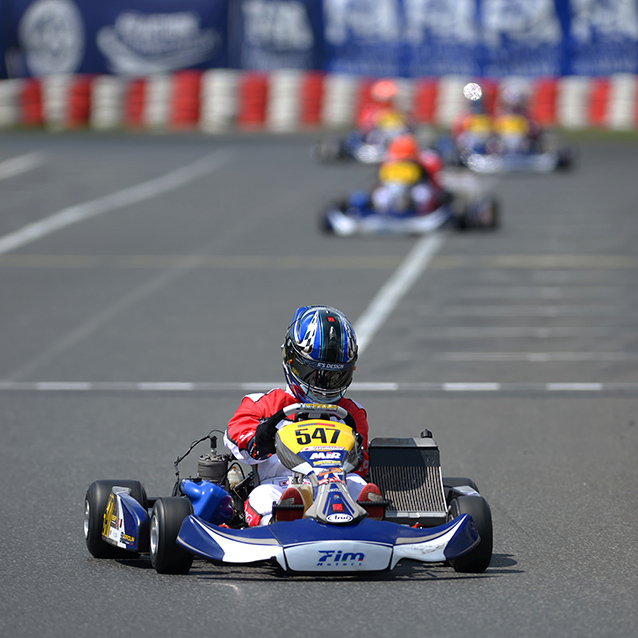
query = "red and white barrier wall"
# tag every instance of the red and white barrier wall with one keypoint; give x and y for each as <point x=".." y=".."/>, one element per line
<point x="221" y="100"/>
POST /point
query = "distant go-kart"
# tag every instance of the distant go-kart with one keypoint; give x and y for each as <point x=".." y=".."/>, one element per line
<point x="510" y="150"/>
<point x="426" y="517"/>
<point x="459" y="205"/>
<point x="365" y="147"/>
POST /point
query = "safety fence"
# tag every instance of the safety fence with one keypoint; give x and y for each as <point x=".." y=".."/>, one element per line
<point x="224" y="100"/>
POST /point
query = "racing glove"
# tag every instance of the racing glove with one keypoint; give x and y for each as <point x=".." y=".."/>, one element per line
<point x="262" y="445"/>
<point x="364" y="460"/>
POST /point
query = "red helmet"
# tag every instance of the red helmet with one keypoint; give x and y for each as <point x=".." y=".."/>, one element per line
<point x="403" y="147"/>
<point x="383" y="91"/>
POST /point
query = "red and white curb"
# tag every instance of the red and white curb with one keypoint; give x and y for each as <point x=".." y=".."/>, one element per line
<point x="222" y="100"/>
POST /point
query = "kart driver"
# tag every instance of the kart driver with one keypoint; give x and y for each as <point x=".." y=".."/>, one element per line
<point x="319" y="357"/>
<point x="381" y="110"/>
<point x="408" y="179"/>
<point x="516" y="129"/>
<point x="472" y="129"/>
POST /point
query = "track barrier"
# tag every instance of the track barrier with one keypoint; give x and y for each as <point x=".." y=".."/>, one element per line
<point x="219" y="100"/>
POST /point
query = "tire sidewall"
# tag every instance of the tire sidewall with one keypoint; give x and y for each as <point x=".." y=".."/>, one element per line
<point x="97" y="497"/>
<point x="478" y="559"/>
<point x="168" y="515"/>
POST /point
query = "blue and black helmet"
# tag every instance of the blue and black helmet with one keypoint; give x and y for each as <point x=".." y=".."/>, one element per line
<point x="320" y="353"/>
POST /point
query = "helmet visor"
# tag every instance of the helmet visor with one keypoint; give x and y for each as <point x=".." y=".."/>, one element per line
<point x="323" y="376"/>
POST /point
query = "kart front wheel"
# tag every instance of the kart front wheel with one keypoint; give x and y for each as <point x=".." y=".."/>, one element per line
<point x="167" y="557"/>
<point x="325" y="226"/>
<point x="491" y="215"/>
<point x="478" y="559"/>
<point x="95" y="502"/>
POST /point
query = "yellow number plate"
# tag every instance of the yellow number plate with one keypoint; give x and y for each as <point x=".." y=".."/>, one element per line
<point x="316" y="433"/>
<point x="399" y="172"/>
<point x="512" y="125"/>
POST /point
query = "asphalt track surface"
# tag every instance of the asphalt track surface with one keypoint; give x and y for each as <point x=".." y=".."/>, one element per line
<point x="138" y="324"/>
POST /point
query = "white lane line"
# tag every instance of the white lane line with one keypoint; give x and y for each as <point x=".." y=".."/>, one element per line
<point x="101" y="318"/>
<point x="114" y="201"/>
<point x="538" y="292"/>
<point x="495" y="332"/>
<point x="390" y="294"/>
<point x="523" y="311"/>
<point x="375" y="387"/>
<point x="20" y="164"/>
<point x="574" y="387"/>
<point x="472" y="387"/>
<point x="536" y="357"/>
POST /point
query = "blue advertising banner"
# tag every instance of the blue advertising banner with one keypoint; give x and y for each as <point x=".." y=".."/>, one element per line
<point x="602" y="37"/>
<point x="363" y="37"/>
<point x="275" y="34"/>
<point x="402" y="38"/>
<point x="131" y="37"/>
<point x="490" y="38"/>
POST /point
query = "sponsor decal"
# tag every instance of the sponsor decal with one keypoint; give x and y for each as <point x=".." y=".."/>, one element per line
<point x="338" y="558"/>
<point x="339" y="518"/>
<point x="278" y="25"/>
<point x="325" y="455"/>
<point x="51" y="33"/>
<point x="159" y="42"/>
<point x="367" y="20"/>
<point x="322" y="365"/>
<point x="125" y="538"/>
<point x="108" y="515"/>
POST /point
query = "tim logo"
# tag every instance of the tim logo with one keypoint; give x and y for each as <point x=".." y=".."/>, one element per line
<point x="339" y="558"/>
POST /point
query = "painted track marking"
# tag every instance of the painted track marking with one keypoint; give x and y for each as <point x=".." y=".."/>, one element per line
<point x="206" y="388"/>
<point x="119" y="199"/>
<point x="20" y="164"/>
<point x="390" y="294"/>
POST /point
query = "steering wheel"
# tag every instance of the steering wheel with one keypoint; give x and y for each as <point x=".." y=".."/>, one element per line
<point x="315" y="411"/>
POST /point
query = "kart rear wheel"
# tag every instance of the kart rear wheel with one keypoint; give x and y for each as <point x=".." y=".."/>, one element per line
<point x="450" y="482"/>
<point x="478" y="559"/>
<point x="167" y="557"/>
<point x="95" y="502"/>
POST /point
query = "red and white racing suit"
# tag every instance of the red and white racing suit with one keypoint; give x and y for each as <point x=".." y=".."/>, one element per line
<point x="272" y="476"/>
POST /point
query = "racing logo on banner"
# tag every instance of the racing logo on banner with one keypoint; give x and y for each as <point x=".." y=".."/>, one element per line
<point x="155" y="43"/>
<point x="276" y="25"/>
<point x="51" y="34"/>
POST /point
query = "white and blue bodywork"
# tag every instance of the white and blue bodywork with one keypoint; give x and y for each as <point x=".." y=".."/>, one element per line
<point x="309" y="546"/>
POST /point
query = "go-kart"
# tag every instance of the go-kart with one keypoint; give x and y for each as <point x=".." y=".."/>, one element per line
<point x="426" y="517"/>
<point x="509" y="150"/>
<point x="366" y="147"/>
<point x="356" y="215"/>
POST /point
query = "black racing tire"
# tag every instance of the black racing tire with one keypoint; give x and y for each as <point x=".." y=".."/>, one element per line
<point x="493" y="215"/>
<point x="461" y="221"/>
<point x="324" y="224"/>
<point x="478" y="559"/>
<point x="95" y="502"/>
<point x="566" y="158"/>
<point x="167" y="557"/>
<point x="455" y="481"/>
